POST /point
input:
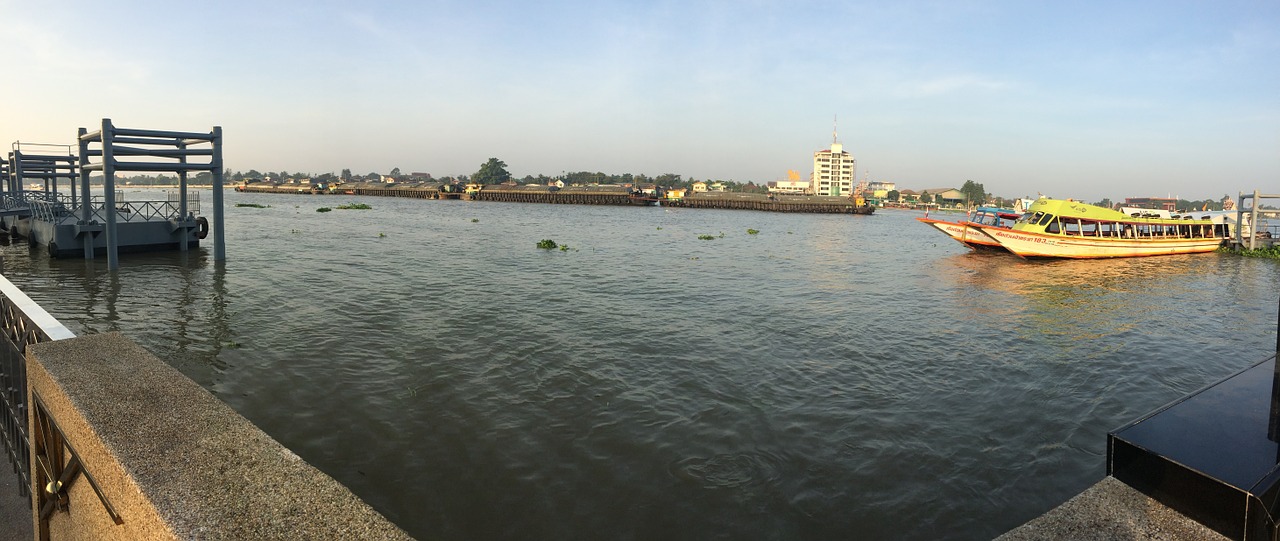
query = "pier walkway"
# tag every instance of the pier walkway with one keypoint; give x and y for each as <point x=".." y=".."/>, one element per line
<point x="15" y="511"/>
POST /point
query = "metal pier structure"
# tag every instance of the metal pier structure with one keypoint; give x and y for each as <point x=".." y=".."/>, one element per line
<point x="1261" y="234"/>
<point x="45" y="163"/>
<point x="78" y="223"/>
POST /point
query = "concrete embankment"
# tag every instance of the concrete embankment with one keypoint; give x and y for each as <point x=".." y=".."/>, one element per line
<point x="1111" y="510"/>
<point x="145" y="453"/>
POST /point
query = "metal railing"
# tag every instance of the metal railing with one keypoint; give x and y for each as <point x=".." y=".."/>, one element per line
<point x="61" y="206"/>
<point x="24" y="322"/>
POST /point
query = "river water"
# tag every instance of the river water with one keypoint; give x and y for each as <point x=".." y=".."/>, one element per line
<point x="830" y="377"/>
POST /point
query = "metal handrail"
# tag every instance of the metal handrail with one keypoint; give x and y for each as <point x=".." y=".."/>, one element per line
<point x="61" y="206"/>
<point x="24" y="323"/>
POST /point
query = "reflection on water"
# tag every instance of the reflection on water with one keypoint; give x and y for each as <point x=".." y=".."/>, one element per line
<point x="1083" y="299"/>
<point x="827" y="378"/>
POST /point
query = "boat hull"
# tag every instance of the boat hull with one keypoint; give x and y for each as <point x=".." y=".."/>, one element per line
<point x="1037" y="245"/>
<point x="964" y="233"/>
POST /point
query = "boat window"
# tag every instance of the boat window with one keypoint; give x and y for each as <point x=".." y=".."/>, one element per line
<point x="1052" y="227"/>
<point x="1045" y="219"/>
<point x="1031" y="217"/>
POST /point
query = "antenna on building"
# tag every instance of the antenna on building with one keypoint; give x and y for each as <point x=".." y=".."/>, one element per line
<point x="833" y="128"/>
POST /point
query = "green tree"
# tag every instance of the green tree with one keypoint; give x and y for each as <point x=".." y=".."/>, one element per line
<point x="669" y="179"/>
<point x="926" y="198"/>
<point x="493" y="171"/>
<point x="395" y="172"/>
<point x="974" y="193"/>
<point x="346" y="174"/>
<point x="893" y="195"/>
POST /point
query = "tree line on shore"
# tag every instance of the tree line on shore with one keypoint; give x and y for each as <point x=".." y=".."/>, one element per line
<point x="494" y="171"/>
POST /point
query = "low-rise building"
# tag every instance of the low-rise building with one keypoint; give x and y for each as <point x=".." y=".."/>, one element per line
<point x="1157" y="203"/>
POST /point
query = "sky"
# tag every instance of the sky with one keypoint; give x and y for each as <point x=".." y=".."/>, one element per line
<point x="1078" y="99"/>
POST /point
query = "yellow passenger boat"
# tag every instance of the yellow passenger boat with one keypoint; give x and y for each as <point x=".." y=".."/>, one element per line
<point x="1071" y="229"/>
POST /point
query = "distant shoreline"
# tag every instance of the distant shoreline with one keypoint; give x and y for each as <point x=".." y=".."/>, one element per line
<point x="164" y="185"/>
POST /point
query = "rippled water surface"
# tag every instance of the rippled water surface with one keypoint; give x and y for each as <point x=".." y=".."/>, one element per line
<point x="831" y="377"/>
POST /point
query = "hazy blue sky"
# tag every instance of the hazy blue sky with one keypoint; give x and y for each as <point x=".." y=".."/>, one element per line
<point x="1070" y="99"/>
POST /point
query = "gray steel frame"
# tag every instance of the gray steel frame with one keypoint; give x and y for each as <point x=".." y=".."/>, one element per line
<point x="113" y="142"/>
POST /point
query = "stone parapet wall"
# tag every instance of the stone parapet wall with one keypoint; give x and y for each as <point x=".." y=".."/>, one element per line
<point x="173" y="461"/>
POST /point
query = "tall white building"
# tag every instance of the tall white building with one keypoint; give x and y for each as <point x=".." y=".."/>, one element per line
<point x="833" y="171"/>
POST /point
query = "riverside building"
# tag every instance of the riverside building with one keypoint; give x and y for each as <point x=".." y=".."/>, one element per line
<point x="833" y="170"/>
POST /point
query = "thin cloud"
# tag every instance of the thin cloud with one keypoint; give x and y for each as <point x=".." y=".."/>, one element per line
<point x="951" y="85"/>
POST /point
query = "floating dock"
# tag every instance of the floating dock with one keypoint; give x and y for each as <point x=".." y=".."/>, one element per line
<point x="77" y="223"/>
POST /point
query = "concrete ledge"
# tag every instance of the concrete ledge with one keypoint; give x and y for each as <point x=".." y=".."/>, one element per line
<point x="1112" y="510"/>
<point x="173" y="460"/>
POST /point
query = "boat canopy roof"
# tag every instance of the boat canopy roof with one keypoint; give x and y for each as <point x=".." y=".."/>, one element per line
<point x="1075" y="209"/>
<point x="1001" y="212"/>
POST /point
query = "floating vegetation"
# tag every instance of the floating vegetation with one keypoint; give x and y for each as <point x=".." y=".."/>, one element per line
<point x="753" y="232"/>
<point x="354" y="206"/>
<point x="659" y="228"/>
<point x="548" y="244"/>
<point x="1265" y="253"/>
<point x="232" y="345"/>
<point x="382" y="235"/>
<point x="253" y="205"/>
<point x="475" y="220"/>
<point x="324" y="209"/>
<point x="707" y="237"/>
